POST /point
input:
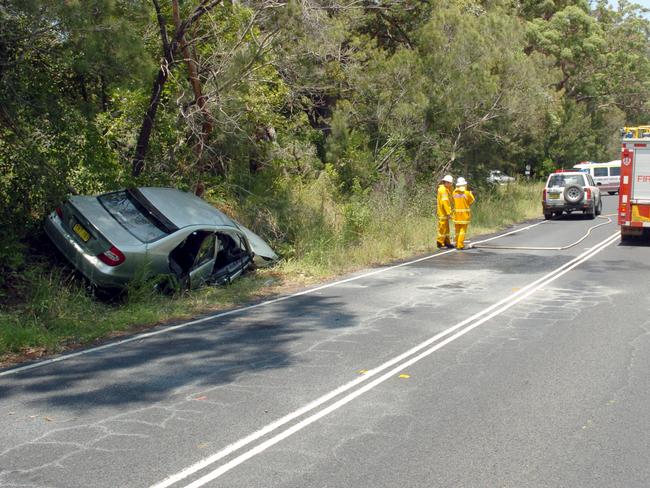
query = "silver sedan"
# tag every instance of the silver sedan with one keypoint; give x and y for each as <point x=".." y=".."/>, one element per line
<point x="112" y="237"/>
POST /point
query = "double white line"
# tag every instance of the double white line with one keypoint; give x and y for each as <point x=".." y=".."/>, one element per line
<point x="366" y="382"/>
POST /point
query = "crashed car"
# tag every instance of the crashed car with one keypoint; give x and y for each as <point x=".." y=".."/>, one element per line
<point x="499" y="178"/>
<point x="112" y="237"/>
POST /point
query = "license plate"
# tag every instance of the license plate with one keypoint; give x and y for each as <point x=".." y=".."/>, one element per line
<point x="81" y="232"/>
<point x="554" y="195"/>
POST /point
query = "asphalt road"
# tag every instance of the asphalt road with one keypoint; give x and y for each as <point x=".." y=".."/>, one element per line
<point x="481" y="368"/>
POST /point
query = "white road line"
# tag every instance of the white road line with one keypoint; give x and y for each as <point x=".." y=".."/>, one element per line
<point x="475" y="320"/>
<point x="212" y="317"/>
<point x="182" y="325"/>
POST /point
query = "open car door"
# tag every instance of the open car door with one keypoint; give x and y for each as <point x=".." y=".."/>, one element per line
<point x="204" y="263"/>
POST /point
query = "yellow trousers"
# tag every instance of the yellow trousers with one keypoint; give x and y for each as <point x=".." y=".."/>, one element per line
<point x="460" y="230"/>
<point x="443" y="232"/>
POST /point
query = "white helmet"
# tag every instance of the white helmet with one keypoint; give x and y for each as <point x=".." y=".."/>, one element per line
<point x="461" y="182"/>
<point x="448" y="178"/>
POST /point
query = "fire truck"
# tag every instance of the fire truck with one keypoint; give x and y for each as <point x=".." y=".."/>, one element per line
<point x="634" y="193"/>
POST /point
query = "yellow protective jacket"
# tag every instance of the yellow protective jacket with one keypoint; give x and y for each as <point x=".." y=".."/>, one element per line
<point x="444" y="202"/>
<point x="463" y="198"/>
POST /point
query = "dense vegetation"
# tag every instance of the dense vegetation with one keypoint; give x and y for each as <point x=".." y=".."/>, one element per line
<point x="310" y="121"/>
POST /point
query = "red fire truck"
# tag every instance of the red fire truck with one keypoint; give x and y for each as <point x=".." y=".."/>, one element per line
<point x="634" y="193"/>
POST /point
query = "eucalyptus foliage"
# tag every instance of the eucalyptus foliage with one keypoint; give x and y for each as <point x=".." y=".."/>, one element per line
<point x="367" y="96"/>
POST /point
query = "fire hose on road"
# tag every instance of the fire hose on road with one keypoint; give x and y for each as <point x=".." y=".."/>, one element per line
<point x="479" y="244"/>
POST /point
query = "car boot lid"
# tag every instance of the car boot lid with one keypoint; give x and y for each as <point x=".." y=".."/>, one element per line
<point x="94" y="213"/>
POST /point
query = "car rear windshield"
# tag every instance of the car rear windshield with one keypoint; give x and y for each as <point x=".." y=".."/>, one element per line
<point x="565" y="180"/>
<point x="133" y="215"/>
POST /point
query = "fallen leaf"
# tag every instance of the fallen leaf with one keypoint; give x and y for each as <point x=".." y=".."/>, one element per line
<point x="404" y="376"/>
<point x="48" y="419"/>
<point x="201" y="398"/>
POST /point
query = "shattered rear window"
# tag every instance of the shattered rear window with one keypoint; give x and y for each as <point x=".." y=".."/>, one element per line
<point x="132" y="215"/>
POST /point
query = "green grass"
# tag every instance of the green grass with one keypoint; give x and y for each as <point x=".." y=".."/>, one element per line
<point x="54" y="312"/>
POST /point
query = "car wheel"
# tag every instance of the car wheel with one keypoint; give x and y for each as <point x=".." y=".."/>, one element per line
<point x="573" y="194"/>
<point x="591" y="213"/>
<point x="547" y="215"/>
<point x="599" y="208"/>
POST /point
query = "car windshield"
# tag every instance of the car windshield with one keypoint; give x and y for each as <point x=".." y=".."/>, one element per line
<point x="565" y="180"/>
<point x="133" y="216"/>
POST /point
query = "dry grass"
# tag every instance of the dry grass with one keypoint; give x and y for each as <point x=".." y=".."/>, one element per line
<point x="324" y="239"/>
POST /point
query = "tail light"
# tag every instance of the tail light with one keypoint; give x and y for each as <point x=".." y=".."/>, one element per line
<point x="112" y="257"/>
<point x="544" y="195"/>
<point x="588" y="193"/>
<point x="59" y="212"/>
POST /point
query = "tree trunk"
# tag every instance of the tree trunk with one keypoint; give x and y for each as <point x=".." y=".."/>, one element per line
<point x="199" y="99"/>
<point x="147" y="123"/>
<point x="168" y="60"/>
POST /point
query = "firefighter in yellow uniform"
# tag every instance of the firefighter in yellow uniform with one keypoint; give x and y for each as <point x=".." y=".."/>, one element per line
<point x="463" y="199"/>
<point x="444" y="211"/>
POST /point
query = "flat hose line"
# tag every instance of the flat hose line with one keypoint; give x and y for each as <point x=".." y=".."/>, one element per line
<point x="538" y="248"/>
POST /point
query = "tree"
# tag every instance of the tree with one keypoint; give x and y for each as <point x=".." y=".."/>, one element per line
<point x="170" y="47"/>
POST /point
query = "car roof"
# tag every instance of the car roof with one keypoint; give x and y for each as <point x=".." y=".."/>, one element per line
<point x="184" y="209"/>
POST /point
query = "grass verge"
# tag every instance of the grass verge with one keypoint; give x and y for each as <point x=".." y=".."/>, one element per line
<point x="55" y="313"/>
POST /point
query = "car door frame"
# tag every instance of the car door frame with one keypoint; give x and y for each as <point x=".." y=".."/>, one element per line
<point x="202" y="271"/>
<point x="235" y="268"/>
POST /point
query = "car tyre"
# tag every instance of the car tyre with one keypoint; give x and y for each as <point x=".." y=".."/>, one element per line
<point x="591" y="213"/>
<point x="599" y="208"/>
<point x="573" y="194"/>
<point x="547" y="215"/>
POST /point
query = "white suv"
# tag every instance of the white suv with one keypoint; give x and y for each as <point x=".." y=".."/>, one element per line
<point x="568" y="191"/>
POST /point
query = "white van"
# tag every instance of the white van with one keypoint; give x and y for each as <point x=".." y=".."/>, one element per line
<point x="606" y="175"/>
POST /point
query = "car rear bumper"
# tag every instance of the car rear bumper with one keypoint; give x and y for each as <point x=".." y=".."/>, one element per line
<point x="90" y="266"/>
<point x="562" y="205"/>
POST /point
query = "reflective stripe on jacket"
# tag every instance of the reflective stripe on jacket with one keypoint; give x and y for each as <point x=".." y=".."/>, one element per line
<point x="444" y="202"/>
<point x="462" y="200"/>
